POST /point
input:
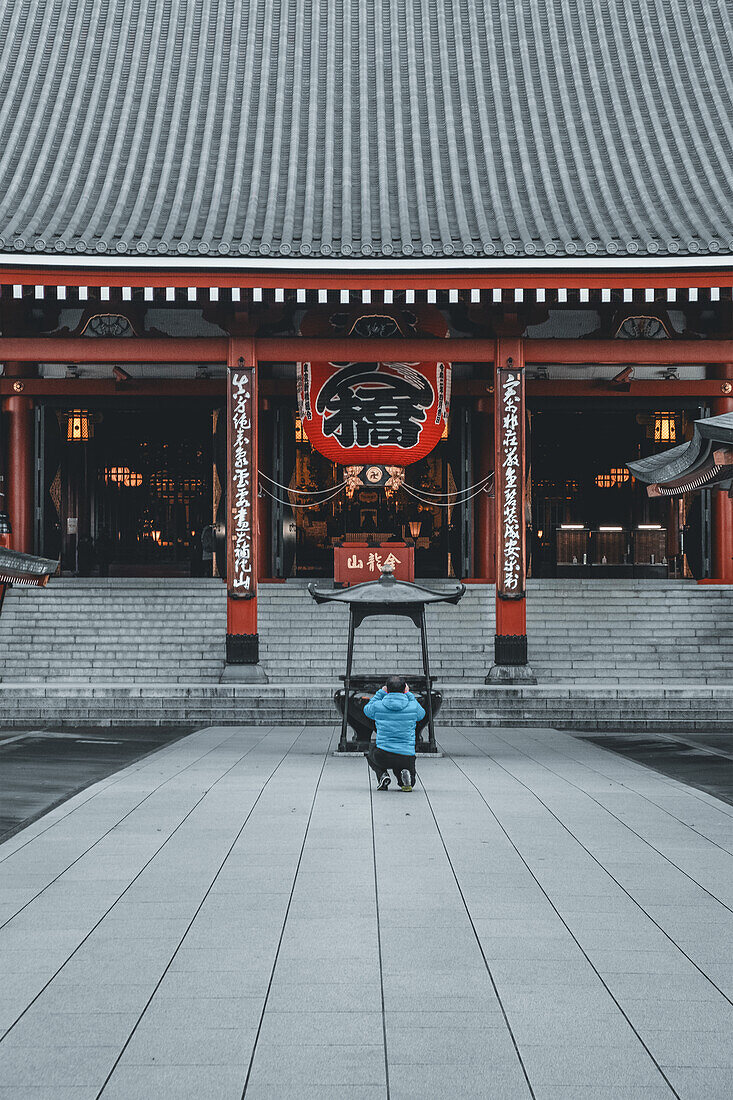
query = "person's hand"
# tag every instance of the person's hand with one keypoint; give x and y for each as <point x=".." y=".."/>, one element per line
<point x="407" y="688"/>
<point x="383" y="687"/>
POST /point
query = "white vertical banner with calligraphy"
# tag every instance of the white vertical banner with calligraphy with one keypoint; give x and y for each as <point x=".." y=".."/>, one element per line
<point x="509" y="480"/>
<point x="242" y="481"/>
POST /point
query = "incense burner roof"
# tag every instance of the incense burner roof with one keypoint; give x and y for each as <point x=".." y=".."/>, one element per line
<point x="342" y="130"/>
<point x="386" y="592"/>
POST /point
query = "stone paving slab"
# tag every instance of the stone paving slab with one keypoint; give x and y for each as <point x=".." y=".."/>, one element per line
<point x="241" y="915"/>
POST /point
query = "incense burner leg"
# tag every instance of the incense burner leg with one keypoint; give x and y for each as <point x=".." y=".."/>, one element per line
<point x="343" y="746"/>
<point x="429" y="686"/>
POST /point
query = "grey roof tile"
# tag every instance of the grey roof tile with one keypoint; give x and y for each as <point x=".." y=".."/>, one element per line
<point x="367" y="128"/>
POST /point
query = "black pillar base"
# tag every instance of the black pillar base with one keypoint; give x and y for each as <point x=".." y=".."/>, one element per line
<point x="243" y="655"/>
<point x="510" y="661"/>
<point x="510" y="649"/>
<point x="243" y="649"/>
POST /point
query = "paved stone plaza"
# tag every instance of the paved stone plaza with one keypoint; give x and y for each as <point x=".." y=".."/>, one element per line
<point x="240" y="914"/>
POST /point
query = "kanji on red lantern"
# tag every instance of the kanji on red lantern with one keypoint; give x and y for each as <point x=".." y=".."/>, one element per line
<point x="386" y="413"/>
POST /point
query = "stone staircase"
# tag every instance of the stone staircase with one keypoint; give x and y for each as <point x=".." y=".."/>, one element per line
<point x="609" y="631"/>
<point x="91" y="630"/>
<point x="172" y="631"/>
<point x="630" y="631"/>
<point x="608" y="655"/>
<point x="302" y="641"/>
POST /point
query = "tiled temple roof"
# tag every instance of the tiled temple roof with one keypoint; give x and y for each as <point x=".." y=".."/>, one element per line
<point x="367" y="128"/>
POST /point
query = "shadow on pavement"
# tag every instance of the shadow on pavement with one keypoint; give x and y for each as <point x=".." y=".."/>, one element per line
<point x="39" y="769"/>
<point x="704" y="761"/>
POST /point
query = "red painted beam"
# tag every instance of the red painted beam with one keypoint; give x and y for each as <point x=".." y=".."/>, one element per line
<point x="349" y="349"/>
<point x="383" y="278"/>
<point x="177" y="387"/>
<point x="662" y="388"/>
<point x="103" y="387"/>
<point x="80" y="349"/>
<point x="662" y="352"/>
<point x="88" y="349"/>
<point x="276" y="387"/>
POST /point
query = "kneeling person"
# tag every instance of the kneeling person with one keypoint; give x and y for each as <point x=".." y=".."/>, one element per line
<point x="396" y="712"/>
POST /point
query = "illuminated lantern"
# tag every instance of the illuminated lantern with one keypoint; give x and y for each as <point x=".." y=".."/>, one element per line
<point x="79" y="426"/>
<point x="123" y="475"/>
<point x="389" y="414"/>
<point x="163" y="484"/>
<point x="663" y="427"/>
<point x="618" y="475"/>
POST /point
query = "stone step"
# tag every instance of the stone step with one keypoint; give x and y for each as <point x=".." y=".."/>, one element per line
<point x="605" y="707"/>
<point x="173" y="630"/>
<point x="99" y="631"/>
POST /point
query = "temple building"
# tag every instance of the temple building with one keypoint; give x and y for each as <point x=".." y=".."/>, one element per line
<point x="301" y="289"/>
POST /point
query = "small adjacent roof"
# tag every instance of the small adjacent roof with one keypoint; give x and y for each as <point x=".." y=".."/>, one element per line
<point x="701" y="462"/>
<point x="25" y="569"/>
<point x="353" y="129"/>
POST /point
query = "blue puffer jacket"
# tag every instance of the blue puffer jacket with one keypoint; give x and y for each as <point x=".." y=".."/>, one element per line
<point x="396" y="715"/>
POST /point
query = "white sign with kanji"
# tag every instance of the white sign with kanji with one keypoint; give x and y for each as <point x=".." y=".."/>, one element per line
<point x="241" y="569"/>
<point x="510" y="497"/>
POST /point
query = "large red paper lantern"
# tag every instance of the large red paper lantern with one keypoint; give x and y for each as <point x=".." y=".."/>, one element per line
<point x="390" y="414"/>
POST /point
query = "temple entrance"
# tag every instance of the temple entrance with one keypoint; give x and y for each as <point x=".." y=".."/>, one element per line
<point x="127" y="489"/>
<point x="590" y="518"/>
<point x="307" y="525"/>
<point x="377" y="516"/>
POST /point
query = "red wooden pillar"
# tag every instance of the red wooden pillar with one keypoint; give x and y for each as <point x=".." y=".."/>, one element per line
<point x="5" y="525"/>
<point x="722" y="504"/>
<point x="484" y="567"/>
<point x="510" y="642"/>
<point x="242" y="643"/>
<point x="20" y="471"/>
<point x="20" y="459"/>
<point x="264" y="503"/>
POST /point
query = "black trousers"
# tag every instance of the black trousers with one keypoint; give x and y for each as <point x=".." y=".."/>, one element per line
<point x="380" y="762"/>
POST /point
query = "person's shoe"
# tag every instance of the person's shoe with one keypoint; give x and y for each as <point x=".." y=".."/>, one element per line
<point x="405" y="780"/>
<point x="384" y="782"/>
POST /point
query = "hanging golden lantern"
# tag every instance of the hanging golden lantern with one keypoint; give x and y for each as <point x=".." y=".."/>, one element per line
<point x="617" y="475"/>
<point x="620" y="475"/>
<point x="123" y="475"/>
<point x="79" y="426"/>
<point x="665" y="427"/>
<point x="163" y="484"/>
<point x="115" y="475"/>
<point x="661" y="427"/>
<point x="190" y="487"/>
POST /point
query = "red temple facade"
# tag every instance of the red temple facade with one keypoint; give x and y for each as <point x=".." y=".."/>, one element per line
<point x="424" y="324"/>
